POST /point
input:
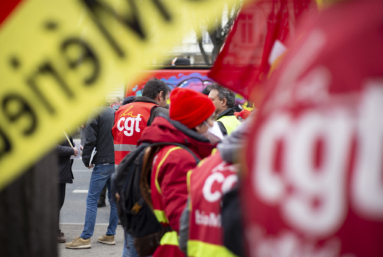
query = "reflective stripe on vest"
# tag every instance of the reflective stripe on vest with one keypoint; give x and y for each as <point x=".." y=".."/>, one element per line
<point x="230" y="123"/>
<point x="161" y="217"/>
<point x="198" y="248"/>
<point x="170" y="238"/>
<point x="124" y="147"/>
<point x="129" y="122"/>
<point x="159" y="166"/>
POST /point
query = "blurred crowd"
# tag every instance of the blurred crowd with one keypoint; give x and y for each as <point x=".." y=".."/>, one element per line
<point x="300" y="176"/>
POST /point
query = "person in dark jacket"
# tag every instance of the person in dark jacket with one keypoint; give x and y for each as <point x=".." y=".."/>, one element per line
<point x="99" y="140"/>
<point x="101" y="200"/>
<point x="64" y="151"/>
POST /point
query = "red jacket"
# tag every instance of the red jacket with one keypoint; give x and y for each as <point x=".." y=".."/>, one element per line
<point x="170" y="167"/>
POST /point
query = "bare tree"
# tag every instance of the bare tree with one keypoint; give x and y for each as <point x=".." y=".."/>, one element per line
<point x="219" y="33"/>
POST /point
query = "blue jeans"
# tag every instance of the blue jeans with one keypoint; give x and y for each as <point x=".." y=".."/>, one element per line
<point x="100" y="176"/>
<point x="129" y="249"/>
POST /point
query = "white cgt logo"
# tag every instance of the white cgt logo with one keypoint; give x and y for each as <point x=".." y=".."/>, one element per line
<point x="227" y="183"/>
<point x="128" y="125"/>
<point x="326" y="183"/>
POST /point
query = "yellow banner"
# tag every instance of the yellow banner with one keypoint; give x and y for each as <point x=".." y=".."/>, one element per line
<point x="59" y="58"/>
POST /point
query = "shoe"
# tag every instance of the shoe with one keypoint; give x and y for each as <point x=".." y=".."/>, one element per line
<point x="79" y="243"/>
<point x="101" y="203"/>
<point x="61" y="239"/>
<point x="109" y="240"/>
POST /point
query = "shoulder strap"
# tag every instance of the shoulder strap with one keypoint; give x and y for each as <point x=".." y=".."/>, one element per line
<point x="147" y="160"/>
<point x="152" y="110"/>
<point x="180" y="145"/>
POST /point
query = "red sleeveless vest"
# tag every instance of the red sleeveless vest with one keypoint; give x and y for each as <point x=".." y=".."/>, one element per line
<point x="206" y="185"/>
<point x="129" y="122"/>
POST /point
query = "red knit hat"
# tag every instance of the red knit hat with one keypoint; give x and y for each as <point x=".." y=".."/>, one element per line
<point x="190" y="107"/>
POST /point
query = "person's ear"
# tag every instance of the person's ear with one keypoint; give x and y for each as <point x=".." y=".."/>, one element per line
<point x="224" y="102"/>
<point x="161" y="95"/>
<point x="158" y="97"/>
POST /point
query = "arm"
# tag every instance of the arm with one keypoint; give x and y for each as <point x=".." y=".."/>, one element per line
<point x="172" y="180"/>
<point x="184" y="228"/>
<point x="91" y="133"/>
<point x="65" y="150"/>
<point x="232" y="222"/>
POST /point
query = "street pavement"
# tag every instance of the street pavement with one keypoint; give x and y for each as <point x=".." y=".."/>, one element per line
<point x="72" y="217"/>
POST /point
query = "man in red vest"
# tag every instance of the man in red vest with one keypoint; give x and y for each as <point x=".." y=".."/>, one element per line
<point x="130" y="120"/>
<point x="207" y="183"/>
<point x="202" y="230"/>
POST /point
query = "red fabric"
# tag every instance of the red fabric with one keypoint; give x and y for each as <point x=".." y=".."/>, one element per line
<point x="173" y="170"/>
<point x="215" y="175"/>
<point x="126" y="132"/>
<point x="7" y="7"/>
<point x="162" y="130"/>
<point x="314" y="158"/>
<point x="243" y="61"/>
<point x="171" y="177"/>
<point x="243" y="114"/>
<point x="190" y="107"/>
<point x="168" y="251"/>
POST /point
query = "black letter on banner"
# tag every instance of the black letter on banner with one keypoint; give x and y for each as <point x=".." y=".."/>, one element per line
<point x="87" y="54"/>
<point x="46" y="69"/>
<point x="25" y="109"/>
<point x="132" y="22"/>
<point x="5" y="145"/>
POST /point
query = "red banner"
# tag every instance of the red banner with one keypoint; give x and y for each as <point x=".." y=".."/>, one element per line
<point x="314" y="185"/>
<point x="6" y="8"/>
<point x="257" y="39"/>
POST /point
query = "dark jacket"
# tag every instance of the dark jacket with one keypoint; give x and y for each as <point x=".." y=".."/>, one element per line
<point x="227" y="112"/>
<point x="64" y="151"/>
<point x="98" y="134"/>
<point x="155" y="111"/>
<point x="231" y="215"/>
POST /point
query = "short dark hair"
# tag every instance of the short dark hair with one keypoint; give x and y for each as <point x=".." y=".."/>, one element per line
<point x="153" y="87"/>
<point x="224" y="93"/>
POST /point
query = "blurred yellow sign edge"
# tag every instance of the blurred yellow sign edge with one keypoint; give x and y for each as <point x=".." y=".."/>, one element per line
<point x="58" y="60"/>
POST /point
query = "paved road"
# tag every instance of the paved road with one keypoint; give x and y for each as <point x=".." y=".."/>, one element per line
<point x="97" y="249"/>
<point x="73" y="217"/>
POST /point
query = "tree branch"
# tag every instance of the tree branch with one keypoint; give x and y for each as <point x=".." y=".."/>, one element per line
<point x="205" y="56"/>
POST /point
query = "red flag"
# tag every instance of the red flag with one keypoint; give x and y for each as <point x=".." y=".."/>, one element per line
<point x="6" y="8"/>
<point x="314" y="185"/>
<point x="258" y="37"/>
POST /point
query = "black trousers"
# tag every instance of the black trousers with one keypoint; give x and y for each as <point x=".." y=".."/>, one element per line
<point x="62" y="187"/>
